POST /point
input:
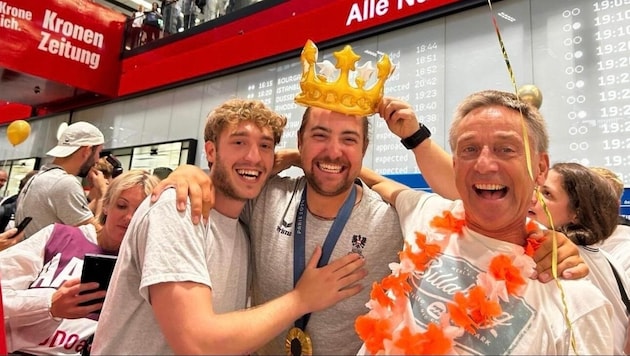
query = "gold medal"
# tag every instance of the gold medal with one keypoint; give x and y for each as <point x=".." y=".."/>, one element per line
<point x="298" y="343"/>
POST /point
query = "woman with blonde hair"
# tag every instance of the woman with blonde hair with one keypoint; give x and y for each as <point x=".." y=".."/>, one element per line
<point x="41" y="276"/>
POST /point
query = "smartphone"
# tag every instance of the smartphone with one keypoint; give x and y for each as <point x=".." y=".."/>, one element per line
<point x="117" y="166"/>
<point x="97" y="268"/>
<point x="22" y="225"/>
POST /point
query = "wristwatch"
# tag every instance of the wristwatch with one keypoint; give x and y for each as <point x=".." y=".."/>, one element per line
<point x="417" y="138"/>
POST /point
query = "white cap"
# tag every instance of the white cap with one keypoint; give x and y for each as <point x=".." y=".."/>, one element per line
<point x="76" y="136"/>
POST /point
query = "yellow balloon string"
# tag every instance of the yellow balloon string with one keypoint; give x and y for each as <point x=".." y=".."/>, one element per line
<point x="528" y="158"/>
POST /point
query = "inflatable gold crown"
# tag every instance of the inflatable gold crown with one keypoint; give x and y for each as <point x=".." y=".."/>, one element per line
<point x="340" y="95"/>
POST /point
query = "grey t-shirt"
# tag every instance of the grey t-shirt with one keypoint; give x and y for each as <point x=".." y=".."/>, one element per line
<point x="373" y="229"/>
<point x="162" y="245"/>
<point x="52" y="196"/>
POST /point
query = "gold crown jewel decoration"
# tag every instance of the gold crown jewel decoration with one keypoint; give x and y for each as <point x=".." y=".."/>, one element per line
<point x="320" y="90"/>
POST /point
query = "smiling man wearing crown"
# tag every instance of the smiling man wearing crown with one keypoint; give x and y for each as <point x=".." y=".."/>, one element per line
<point x="327" y="207"/>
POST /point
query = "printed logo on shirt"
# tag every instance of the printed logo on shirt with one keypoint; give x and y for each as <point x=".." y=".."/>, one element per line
<point x="55" y="272"/>
<point x="68" y="341"/>
<point x="358" y="244"/>
<point x="285" y="229"/>
<point x="449" y="275"/>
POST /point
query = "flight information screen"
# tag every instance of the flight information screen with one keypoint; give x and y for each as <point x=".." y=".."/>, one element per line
<point x="576" y="52"/>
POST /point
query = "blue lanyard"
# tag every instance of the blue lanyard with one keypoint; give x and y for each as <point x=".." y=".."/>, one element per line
<point x="299" y="251"/>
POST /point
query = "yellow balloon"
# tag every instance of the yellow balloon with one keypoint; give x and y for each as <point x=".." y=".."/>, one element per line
<point x="18" y="132"/>
<point x="530" y="94"/>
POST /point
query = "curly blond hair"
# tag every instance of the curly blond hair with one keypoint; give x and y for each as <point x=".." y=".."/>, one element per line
<point x="235" y="111"/>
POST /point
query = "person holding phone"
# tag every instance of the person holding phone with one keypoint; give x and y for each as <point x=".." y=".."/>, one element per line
<point x="47" y="309"/>
<point x="8" y="205"/>
<point x="10" y="238"/>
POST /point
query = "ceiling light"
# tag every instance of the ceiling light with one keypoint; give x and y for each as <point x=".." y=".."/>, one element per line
<point x="506" y="16"/>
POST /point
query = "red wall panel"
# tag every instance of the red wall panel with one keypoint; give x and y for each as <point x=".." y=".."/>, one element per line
<point x="268" y="33"/>
<point x="14" y="111"/>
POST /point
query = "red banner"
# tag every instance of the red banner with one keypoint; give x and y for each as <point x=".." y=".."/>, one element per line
<point x="75" y="42"/>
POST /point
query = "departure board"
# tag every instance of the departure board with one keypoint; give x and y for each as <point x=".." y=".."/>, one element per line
<point x="589" y="81"/>
<point x="576" y="52"/>
<point x="419" y="80"/>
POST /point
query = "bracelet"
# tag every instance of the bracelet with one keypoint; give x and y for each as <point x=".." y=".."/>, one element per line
<point x="49" y="305"/>
<point x="54" y="318"/>
<point x="417" y="138"/>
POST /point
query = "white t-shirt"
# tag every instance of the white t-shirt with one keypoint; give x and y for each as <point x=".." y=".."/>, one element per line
<point x="618" y="246"/>
<point x="163" y="245"/>
<point x="531" y="324"/>
<point x="138" y="18"/>
<point x="52" y="196"/>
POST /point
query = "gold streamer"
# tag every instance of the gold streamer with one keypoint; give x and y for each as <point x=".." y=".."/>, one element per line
<point x="528" y="158"/>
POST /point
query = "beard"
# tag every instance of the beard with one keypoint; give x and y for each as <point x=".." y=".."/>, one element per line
<point x="86" y="166"/>
<point x="221" y="181"/>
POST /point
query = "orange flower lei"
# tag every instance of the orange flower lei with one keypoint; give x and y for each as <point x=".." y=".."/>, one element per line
<point x="384" y="328"/>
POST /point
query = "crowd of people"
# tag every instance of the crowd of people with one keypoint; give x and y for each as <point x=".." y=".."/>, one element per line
<point x="242" y="260"/>
<point x="168" y="17"/>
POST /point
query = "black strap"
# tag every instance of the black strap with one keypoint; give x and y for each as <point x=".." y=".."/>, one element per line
<point x="30" y="181"/>
<point x="87" y="348"/>
<point x="622" y="290"/>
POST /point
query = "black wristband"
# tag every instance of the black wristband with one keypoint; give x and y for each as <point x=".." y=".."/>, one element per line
<point x="417" y="138"/>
